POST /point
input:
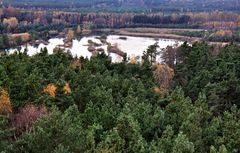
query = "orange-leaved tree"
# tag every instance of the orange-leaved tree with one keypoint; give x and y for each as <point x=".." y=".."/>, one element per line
<point x="5" y="103"/>
<point x="50" y="89"/>
<point x="133" y="60"/>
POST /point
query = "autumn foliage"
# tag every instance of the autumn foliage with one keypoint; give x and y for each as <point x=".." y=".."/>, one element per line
<point x="67" y="88"/>
<point x="70" y="35"/>
<point x="109" y="107"/>
<point x="50" y="89"/>
<point x="163" y="74"/>
<point x="5" y="103"/>
<point x="27" y="115"/>
<point x="224" y="33"/>
<point x="133" y="60"/>
<point x="11" y="21"/>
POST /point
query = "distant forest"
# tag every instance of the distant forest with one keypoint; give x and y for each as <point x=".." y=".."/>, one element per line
<point x="132" y="5"/>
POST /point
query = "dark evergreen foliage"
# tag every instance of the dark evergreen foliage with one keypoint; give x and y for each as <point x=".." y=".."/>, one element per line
<point x="113" y="107"/>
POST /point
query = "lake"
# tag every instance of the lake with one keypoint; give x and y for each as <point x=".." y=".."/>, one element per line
<point x="133" y="46"/>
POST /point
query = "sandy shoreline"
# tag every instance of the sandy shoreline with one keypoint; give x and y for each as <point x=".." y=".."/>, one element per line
<point x="165" y="33"/>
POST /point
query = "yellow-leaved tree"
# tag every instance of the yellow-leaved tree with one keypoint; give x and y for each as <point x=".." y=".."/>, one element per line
<point x="5" y="103"/>
<point x="70" y="34"/>
<point x="224" y="33"/>
<point x="163" y="74"/>
<point x="67" y="88"/>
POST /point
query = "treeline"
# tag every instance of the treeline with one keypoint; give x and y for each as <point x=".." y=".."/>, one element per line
<point x="27" y="33"/>
<point x="168" y="19"/>
<point x="214" y="35"/>
<point x="12" y="17"/>
<point x="33" y="25"/>
<point x="130" y="5"/>
<point x="61" y="4"/>
<point x="60" y="103"/>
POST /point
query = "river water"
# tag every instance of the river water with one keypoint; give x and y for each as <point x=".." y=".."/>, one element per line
<point x="133" y="46"/>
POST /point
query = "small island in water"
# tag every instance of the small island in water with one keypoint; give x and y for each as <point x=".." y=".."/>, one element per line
<point x="119" y="76"/>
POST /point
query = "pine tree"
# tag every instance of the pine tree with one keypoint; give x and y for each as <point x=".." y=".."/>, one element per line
<point x="182" y="144"/>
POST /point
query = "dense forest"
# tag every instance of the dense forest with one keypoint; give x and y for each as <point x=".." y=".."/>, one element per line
<point x="59" y="103"/>
<point x="132" y="5"/>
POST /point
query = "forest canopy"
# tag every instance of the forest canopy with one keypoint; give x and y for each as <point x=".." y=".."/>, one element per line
<point x="59" y="103"/>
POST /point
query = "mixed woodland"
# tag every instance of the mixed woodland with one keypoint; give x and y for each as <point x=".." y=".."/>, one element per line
<point x="21" y="25"/>
<point x="130" y="5"/>
<point x="59" y="103"/>
<point x="63" y="104"/>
